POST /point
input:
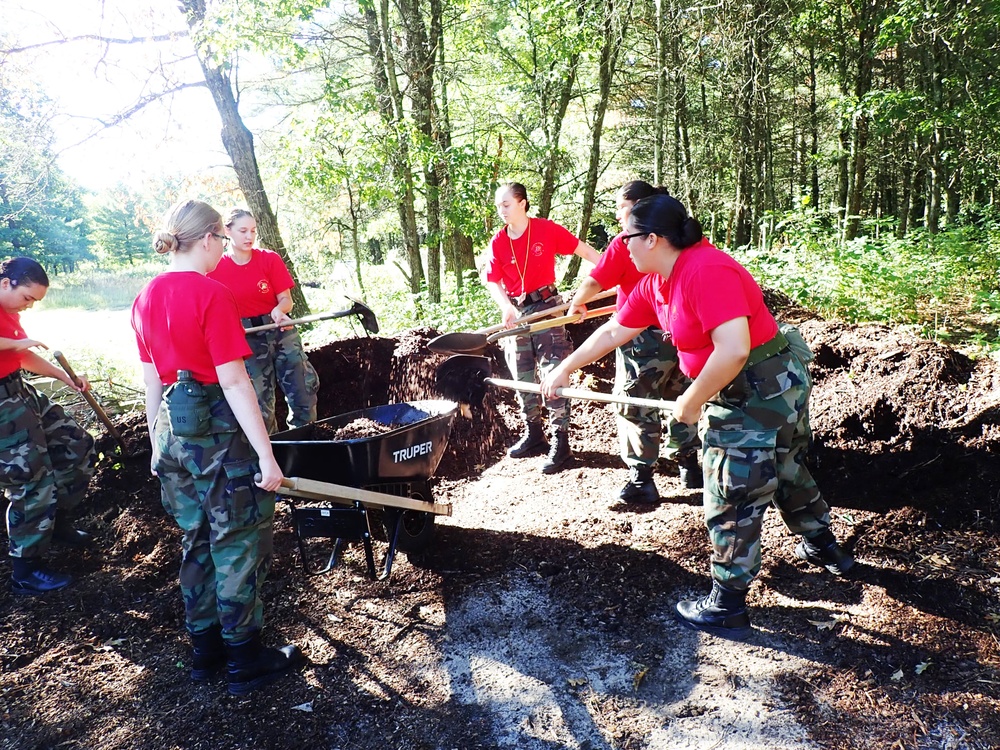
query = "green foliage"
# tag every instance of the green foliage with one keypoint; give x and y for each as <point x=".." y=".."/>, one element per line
<point x="947" y="285"/>
<point x="93" y="288"/>
<point x="122" y="225"/>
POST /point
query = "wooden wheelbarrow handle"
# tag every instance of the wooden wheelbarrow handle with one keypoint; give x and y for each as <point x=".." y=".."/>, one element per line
<point x="312" y="489"/>
<point x="91" y="399"/>
<point x="550" y="323"/>
<point x="582" y="394"/>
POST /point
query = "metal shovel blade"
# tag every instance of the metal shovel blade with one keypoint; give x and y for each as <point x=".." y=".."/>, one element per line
<point x="458" y="343"/>
<point x="368" y="320"/>
<point x="462" y="378"/>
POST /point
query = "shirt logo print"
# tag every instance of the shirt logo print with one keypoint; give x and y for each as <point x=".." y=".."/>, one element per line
<point x="263" y="287"/>
<point x="536" y="249"/>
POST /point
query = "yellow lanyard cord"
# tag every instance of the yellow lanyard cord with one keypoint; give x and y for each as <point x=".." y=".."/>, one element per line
<point x="513" y="255"/>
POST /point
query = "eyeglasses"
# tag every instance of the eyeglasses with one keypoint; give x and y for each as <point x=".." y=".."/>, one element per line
<point x="627" y="237"/>
<point x="221" y="238"/>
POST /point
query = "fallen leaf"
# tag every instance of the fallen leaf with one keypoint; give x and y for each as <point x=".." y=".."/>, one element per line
<point x="823" y="625"/>
<point x="306" y="707"/>
<point x="638" y="677"/>
<point x="897" y="675"/>
<point x="577" y="681"/>
<point x="993" y="617"/>
<point x="922" y="666"/>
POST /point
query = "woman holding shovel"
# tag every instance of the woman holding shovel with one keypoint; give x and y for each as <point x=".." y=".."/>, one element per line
<point x="645" y="367"/>
<point x="262" y="285"/>
<point x="521" y="278"/>
<point x="749" y="397"/>
<point x="208" y="442"/>
<point x="46" y="458"/>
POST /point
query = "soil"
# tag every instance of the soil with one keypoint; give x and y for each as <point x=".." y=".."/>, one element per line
<point x="539" y="616"/>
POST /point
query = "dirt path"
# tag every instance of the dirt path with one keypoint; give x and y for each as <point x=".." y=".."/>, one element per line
<point x="540" y="618"/>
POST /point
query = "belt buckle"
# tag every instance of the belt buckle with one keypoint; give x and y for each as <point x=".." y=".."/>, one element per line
<point x="519" y="299"/>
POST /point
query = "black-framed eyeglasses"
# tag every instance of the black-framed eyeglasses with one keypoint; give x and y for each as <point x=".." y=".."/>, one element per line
<point x="627" y="237"/>
<point x="221" y="238"/>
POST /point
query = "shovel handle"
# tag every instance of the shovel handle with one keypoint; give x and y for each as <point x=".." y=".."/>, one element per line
<point x="582" y="394"/>
<point x="551" y="323"/>
<point x="91" y="399"/>
<point x="300" y="321"/>
<point x="546" y="313"/>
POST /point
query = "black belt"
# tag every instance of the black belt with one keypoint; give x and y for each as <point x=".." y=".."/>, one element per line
<point x="539" y="295"/>
<point x="11" y="385"/>
<point x="256" y="320"/>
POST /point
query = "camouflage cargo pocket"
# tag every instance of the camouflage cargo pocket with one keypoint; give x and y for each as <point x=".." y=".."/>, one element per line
<point x="247" y="504"/>
<point x="741" y="464"/>
<point x="20" y="460"/>
<point x="770" y="377"/>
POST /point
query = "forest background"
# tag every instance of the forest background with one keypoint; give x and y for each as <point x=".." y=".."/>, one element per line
<point x="847" y="151"/>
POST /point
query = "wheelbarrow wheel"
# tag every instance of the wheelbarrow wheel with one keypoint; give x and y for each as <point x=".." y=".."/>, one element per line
<point x="416" y="527"/>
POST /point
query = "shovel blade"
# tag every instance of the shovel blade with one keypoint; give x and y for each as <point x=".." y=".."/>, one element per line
<point x="368" y="319"/>
<point x="462" y="378"/>
<point x="458" y="343"/>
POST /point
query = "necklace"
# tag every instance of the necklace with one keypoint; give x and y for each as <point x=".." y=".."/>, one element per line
<point x="520" y="273"/>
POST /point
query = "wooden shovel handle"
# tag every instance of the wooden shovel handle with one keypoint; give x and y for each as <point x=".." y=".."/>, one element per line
<point x="546" y="313"/>
<point x="91" y="399"/>
<point x="551" y="323"/>
<point x="312" y="489"/>
<point x="582" y="394"/>
<point x="298" y="321"/>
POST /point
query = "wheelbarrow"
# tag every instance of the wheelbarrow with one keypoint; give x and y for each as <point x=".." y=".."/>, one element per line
<point x="388" y="475"/>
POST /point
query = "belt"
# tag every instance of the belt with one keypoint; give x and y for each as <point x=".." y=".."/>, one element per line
<point x="766" y="350"/>
<point x="539" y="295"/>
<point x="11" y="385"/>
<point x="213" y="391"/>
<point x="256" y="320"/>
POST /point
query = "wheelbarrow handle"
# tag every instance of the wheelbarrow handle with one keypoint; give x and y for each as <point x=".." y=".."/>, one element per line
<point x="551" y="323"/>
<point x="91" y="399"/>
<point x="300" y="321"/>
<point x="582" y="394"/>
<point x="312" y="489"/>
<point x="531" y="317"/>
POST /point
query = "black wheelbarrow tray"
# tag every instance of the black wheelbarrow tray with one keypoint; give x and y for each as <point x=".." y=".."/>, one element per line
<point x="389" y="474"/>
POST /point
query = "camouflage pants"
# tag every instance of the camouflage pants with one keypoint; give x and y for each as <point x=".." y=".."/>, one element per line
<point x="278" y="359"/>
<point x="46" y="461"/>
<point x="755" y="435"/>
<point x="207" y="487"/>
<point x="646" y="367"/>
<point x="543" y="350"/>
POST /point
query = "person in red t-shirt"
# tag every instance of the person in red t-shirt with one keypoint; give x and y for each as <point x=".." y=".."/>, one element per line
<point x="262" y="285"/>
<point x="521" y="278"/>
<point x="749" y="396"/>
<point x="209" y="442"/>
<point x="645" y="367"/>
<point x="46" y="458"/>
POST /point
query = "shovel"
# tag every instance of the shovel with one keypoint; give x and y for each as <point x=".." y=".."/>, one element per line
<point x="529" y="328"/>
<point x="92" y="400"/>
<point x="359" y="308"/>
<point x="464" y="378"/>
<point x="475" y="342"/>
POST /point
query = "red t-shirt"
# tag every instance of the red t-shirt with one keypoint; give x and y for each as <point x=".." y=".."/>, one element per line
<point x="184" y="321"/>
<point x="616" y="267"/>
<point x="706" y="288"/>
<point x="10" y="328"/>
<point x="257" y="284"/>
<point x="509" y="260"/>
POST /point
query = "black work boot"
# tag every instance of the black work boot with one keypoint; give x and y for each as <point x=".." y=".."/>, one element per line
<point x="532" y="442"/>
<point x="723" y="613"/>
<point x="250" y="665"/>
<point x="559" y="453"/>
<point x="640" y="487"/>
<point x="689" y="471"/>
<point x="63" y="532"/>
<point x="31" y="577"/>
<point x="823" y="551"/>
<point x="208" y="653"/>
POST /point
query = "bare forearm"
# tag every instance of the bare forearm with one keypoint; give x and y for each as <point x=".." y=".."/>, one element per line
<point x="588" y="289"/>
<point x="588" y="253"/>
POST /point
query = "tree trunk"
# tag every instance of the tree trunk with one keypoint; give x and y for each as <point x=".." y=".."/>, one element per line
<point x="238" y="141"/>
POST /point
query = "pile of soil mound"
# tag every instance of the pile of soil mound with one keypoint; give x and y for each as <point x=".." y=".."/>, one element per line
<point x="894" y="415"/>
